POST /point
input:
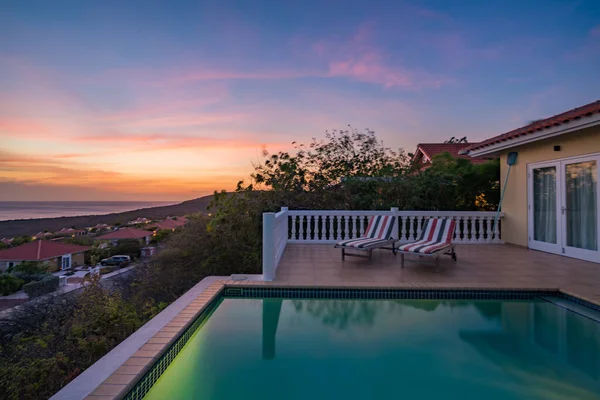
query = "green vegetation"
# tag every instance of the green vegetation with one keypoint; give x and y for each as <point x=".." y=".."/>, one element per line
<point x="10" y="284"/>
<point x="20" y="240"/>
<point x="45" y="344"/>
<point x="39" y="288"/>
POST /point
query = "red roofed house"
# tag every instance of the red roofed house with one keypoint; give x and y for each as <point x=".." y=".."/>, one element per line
<point x="427" y="151"/>
<point x="551" y="202"/>
<point x="71" y="232"/>
<point x="57" y="255"/>
<point x="127" y="233"/>
<point x="168" y="224"/>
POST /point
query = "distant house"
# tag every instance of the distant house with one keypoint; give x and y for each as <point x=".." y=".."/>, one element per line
<point x="99" y="227"/>
<point x="57" y="255"/>
<point x="139" y="220"/>
<point x="71" y="232"/>
<point x="41" y="235"/>
<point x="126" y="233"/>
<point x="7" y="241"/>
<point x="425" y="153"/>
<point x="167" y="224"/>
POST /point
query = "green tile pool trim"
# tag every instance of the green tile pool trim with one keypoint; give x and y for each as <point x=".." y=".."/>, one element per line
<point x="142" y="387"/>
<point x="151" y="376"/>
<point x="400" y="293"/>
<point x="582" y="302"/>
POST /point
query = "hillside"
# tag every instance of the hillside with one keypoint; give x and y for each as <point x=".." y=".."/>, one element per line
<point x="20" y="227"/>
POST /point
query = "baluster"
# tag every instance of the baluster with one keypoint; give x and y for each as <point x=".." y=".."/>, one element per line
<point x="330" y="236"/>
<point x="410" y="228"/>
<point x="403" y="232"/>
<point x="489" y="229"/>
<point x="496" y="230"/>
<point x="339" y="235"/>
<point x="310" y="228"/>
<point x="293" y="218"/>
<point x="301" y="227"/>
<point x="460" y="236"/>
<point x="419" y="226"/>
<point x="471" y="234"/>
<point x="322" y="233"/>
<point x="361" y="225"/>
<point x="347" y="234"/>
<point x="479" y="228"/>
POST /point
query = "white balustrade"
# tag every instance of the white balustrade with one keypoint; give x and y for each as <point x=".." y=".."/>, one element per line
<point x="472" y="226"/>
<point x="331" y="226"/>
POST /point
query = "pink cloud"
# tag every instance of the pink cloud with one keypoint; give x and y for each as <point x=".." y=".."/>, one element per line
<point x="358" y="58"/>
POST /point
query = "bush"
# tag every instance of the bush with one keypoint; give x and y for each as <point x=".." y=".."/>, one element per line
<point x="30" y="268"/>
<point x="39" y="288"/>
<point x="9" y="284"/>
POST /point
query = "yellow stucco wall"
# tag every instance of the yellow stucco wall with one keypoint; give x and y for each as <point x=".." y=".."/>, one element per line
<point x="514" y="225"/>
<point x="77" y="259"/>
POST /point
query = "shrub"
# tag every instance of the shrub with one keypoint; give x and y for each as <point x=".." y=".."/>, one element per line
<point x="9" y="284"/>
<point x="39" y="288"/>
<point x="30" y="268"/>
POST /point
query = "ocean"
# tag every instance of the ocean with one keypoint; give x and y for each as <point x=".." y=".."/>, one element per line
<point x="52" y="209"/>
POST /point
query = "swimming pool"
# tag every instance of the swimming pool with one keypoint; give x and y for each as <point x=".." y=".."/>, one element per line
<point x="274" y="348"/>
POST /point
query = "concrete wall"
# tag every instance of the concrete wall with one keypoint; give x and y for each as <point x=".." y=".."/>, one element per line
<point x="514" y="228"/>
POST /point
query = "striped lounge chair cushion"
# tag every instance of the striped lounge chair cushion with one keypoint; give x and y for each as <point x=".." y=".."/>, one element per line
<point x="435" y="236"/>
<point x="379" y="231"/>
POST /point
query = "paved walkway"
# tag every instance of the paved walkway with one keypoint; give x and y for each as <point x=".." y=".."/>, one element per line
<point x="478" y="266"/>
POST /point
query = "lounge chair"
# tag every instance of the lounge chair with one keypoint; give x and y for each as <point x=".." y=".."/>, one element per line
<point x="377" y="236"/>
<point x="435" y="239"/>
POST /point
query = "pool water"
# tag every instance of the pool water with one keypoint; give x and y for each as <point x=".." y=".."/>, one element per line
<point x="387" y="349"/>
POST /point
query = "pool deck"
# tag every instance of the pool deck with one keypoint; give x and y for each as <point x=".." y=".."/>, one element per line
<point x="478" y="267"/>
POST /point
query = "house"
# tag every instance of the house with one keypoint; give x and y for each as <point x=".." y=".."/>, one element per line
<point x="425" y="153"/>
<point x="71" y="232"/>
<point x="99" y="227"/>
<point x="127" y="233"/>
<point x="551" y="199"/>
<point x="139" y="220"/>
<point x="41" y="235"/>
<point x="167" y="224"/>
<point x="57" y="255"/>
<point x="7" y="241"/>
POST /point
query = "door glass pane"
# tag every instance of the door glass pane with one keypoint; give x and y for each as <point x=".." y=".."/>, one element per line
<point x="544" y="204"/>
<point x="581" y="185"/>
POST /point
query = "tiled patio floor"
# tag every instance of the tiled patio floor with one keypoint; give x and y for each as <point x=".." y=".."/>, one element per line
<point x="478" y="266"/>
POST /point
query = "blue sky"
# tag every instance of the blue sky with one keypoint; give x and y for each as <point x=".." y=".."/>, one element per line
<point x="171" y="100"/>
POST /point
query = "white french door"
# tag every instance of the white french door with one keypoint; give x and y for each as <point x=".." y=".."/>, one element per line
<point x="563" y="207"/>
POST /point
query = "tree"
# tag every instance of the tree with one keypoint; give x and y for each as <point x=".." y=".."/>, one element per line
<point x="309" y="177"/>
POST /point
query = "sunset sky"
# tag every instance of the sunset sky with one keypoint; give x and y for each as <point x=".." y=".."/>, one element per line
<point x="152" y="100"/>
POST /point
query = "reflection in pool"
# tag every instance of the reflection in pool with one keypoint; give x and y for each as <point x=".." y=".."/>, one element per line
<point x="387" y="349"/>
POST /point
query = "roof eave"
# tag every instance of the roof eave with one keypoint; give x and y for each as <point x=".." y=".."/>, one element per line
<point x="567" y="127"/>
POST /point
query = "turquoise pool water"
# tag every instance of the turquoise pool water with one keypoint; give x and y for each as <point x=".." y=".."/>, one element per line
<point x="387" y="349"/>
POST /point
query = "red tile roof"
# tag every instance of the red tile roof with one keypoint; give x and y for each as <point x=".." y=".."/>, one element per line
<point x="559" y="119"/>
<point x="40" y="250"/>
<point x="433" y="149"/>
<point x="166" y="224"/>
<point x="125" y="233"/>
